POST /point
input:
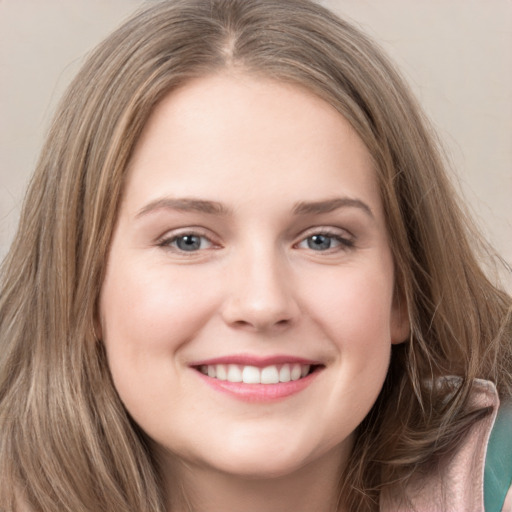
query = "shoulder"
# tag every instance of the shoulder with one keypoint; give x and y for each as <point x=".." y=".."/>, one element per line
<point x="498" y="463"/>
<point x="507" y="505"/>
<point x="456" y="482"/>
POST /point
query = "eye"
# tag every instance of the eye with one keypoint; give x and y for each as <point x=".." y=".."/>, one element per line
<point x="324" y="241"/>
<point x="320" y="242"/>
<point x="187" y="242"/>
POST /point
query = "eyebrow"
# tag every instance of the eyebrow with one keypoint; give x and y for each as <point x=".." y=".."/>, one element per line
<point x="319" y="207"/>
<point x="185" y="205"/>
<point x="217" y="208"/>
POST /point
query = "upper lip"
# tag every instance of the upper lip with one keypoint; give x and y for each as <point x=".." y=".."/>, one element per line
<point x="252" y="360"/>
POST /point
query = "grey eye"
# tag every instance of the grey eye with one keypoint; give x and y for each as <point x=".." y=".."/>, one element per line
<point x="319" y="242"/>
<point x="189" y="242"/>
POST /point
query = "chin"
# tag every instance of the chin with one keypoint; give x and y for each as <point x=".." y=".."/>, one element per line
<point x="251" y="469"/>
<point x="273" y="460"/>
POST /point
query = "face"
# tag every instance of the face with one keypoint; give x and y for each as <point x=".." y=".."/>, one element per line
<point x="247" y="309"/>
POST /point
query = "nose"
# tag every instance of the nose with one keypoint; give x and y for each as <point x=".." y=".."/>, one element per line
<point x="260" y="294"/>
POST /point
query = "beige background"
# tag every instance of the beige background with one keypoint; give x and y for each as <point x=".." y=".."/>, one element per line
<point x="457" y="55"/>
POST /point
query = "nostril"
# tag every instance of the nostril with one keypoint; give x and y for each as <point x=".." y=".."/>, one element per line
<point x="259" y="311"/>
<point x="259" y="324"/>
<point x="241" y="323"/>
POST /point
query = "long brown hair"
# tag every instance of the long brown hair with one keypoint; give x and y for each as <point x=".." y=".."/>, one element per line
<point x="66" y="443"/>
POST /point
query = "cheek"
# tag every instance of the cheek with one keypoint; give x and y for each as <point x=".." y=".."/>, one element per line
<point x="354" y="306"/>
<point x="147" y="315"/>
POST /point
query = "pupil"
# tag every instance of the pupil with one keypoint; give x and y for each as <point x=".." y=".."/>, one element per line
<point x="188" y="242"/>
<point x="317" y="242"/>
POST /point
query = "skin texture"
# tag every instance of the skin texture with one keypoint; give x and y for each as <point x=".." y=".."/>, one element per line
<point x="255" y="285"/>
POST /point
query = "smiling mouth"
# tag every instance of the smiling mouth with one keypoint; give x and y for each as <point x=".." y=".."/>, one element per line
<point x="248" y="374"/>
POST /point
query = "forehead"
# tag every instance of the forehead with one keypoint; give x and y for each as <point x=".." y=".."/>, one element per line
<point x="240" y="130"/>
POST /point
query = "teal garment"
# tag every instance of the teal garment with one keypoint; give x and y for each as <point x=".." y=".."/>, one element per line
<point x="498" y="462"/>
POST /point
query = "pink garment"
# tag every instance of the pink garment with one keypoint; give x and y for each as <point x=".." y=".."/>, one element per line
<point x="456" y="486"/>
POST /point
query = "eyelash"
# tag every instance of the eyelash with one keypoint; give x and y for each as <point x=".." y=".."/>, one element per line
<point x="345" y="243"/>
<point x="167" y="241"/>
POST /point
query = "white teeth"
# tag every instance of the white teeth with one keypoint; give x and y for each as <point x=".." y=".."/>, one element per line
<point x="253" y="375"/>
<point x="269" y="375"/>
<point x="296" y="372"/>
<point x="222" y="374"/>
<point x="234" y="373"/>
<point x="284" y="373"/>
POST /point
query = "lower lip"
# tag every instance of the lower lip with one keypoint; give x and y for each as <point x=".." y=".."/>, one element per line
<point x="259" y="392"/>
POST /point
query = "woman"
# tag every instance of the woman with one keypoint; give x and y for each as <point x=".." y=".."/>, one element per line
<point x="242" y="280"/>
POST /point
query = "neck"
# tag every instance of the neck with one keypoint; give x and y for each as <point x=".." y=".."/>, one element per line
<point x="314" y="486"/>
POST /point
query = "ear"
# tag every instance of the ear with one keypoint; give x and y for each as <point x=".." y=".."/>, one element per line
<point x="400" y="325"/>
